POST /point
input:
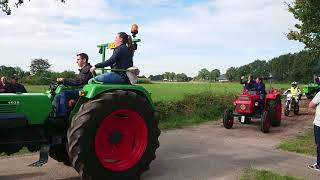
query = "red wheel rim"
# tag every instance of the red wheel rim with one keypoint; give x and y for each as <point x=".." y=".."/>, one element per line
<point x="121" y="140"/>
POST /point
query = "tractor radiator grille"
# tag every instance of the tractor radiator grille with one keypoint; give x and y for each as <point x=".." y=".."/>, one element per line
<point x="8" y="108"/>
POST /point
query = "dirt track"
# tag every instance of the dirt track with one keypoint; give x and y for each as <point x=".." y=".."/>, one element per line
<point x="208" y="151"/>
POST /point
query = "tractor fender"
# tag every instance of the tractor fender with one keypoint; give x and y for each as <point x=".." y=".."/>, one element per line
<point x="272" y="96"/>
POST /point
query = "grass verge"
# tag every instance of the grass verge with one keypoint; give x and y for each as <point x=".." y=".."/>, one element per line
<point x="253" y="174"/>
<point x="303" y="144"/>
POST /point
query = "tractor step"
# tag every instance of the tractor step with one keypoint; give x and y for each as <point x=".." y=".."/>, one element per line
<point x="44" y="156"/>
<point x="44" y="152"/>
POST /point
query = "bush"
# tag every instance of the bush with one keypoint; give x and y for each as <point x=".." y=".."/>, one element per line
<point x="193" y="109"/>
<point x="144" y="81"/>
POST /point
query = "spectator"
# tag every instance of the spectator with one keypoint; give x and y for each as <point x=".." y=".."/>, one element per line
<point x="3" y="82"/>
<point x="316" y="127"/>
<point x="14" y="86"/>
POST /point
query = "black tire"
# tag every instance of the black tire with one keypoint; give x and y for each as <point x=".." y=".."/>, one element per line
<point x="82" y="131"/>
<point x="60" y="154"/>
<point x="228" y="120"/>
<point x="265" y="122"/>
<point x="296" y="109"/>
<point x="275" y="122"/>
<point x="286" y="111"/>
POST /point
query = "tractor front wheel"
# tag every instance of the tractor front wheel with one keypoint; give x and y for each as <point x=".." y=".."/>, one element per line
<point x="228" y="119"/>
<point x="265" y="122"/>
<point x="286" y="111"/>
<point x="114" y="136"/>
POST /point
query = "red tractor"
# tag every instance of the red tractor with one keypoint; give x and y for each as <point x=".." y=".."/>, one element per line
<point x="248" y="106"/>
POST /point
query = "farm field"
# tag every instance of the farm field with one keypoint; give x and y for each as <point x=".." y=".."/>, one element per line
<point x="176" y="91"/>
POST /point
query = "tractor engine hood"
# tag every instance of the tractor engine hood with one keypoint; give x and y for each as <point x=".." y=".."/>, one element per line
<point x="35" y="107"/>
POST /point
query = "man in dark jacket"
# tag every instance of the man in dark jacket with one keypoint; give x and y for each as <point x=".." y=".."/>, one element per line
<point x="60" y="101"/>
<point x="14" y="86"/>
<point x="261" y="90"/>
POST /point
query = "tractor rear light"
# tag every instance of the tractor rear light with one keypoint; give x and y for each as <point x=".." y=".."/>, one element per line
<point x="81" y="93"/>
<point x="243" y="107"/>
<point x="256" y="103"/>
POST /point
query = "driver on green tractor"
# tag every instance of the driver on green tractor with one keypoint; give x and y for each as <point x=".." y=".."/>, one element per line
<point x="121" y="59"/>
<point x="60" y="102"/>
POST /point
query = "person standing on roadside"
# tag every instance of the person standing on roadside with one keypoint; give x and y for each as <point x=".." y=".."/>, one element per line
<point x="316" y="126"/>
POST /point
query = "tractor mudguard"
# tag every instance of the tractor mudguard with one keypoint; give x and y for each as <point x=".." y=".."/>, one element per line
<point x="92" y="90"/>
<point x="272" y="96"/>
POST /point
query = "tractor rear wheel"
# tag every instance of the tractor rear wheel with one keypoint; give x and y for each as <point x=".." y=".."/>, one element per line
<point x="60" y="154"/>
<point x="265" y="122"/>
<point x="274" y="108"/>
<point x="114" y="136"/>
<point x="228" y="119"/>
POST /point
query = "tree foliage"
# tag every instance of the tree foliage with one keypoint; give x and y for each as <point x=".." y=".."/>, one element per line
<point x="5" y="5"/>
<point x="308" y="29"/>
<point x="39" y="66"/>
<point x="288" y="67"/>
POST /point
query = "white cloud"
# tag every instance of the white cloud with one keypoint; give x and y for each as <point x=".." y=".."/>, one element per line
<point x="212" y="34"/>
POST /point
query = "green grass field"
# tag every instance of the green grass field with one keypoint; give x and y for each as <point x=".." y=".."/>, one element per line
<point x="176" y="91"/>
<point x="253" y="174"/>
<point x="303" y="144"/>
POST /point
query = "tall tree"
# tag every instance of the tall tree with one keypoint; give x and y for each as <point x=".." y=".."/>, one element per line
<point x="214" y="74"/>
<point x="204" y="74"/>
<point x="308" y="30"/>
<point x="231" y="73"/>
<point x="7" y="71"/>
<point x="4" y="5"/>
<point x="39" y="66"/>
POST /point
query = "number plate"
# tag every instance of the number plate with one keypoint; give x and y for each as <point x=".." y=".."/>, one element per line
<point x="243" y="118"/>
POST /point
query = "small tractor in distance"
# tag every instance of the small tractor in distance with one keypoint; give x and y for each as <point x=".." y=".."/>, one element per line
<point x="248" y="106"/>
<point x="111" y="131"/>
<point x="311" y="89"/>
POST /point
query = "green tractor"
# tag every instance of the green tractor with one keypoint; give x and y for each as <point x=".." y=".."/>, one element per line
<point x="111" y="131"/>
<point x="311" y="89"/>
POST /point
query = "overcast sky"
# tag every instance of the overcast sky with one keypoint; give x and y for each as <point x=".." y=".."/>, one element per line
<point x="179" y="36"/>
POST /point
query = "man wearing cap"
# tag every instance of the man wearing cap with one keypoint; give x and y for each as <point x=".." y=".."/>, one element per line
<point x="60" y="101"/>
<point x="14" y="86"/>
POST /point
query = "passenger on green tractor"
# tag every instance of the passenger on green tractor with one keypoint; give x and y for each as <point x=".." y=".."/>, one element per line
<point x="61" y="100"/>
<point x="121" y="59"/>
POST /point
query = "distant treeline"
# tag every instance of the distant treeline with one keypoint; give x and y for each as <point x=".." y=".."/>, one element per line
<point x="289" y="67"/>
<point x="39" y="73"/>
